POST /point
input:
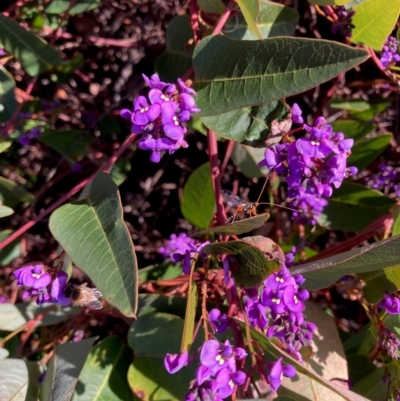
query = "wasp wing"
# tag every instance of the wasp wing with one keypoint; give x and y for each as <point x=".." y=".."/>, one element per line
<point x="232" y="199"/>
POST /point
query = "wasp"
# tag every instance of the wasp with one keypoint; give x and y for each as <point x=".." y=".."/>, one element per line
<point x="243" y="208"/>
<point x="81" y="295"/>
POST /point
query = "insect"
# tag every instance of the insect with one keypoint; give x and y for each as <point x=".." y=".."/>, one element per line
<point x="81" y="295"/>
<point x="244" y="208"/>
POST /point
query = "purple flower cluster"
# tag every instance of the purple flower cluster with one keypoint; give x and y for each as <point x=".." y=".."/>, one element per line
<point x="278" y="310"/>
<point x="308" y="208"/>
<point x="390" y="342"/>
<point x="313" y="165"/>
<point x="386" y="180"/>
<point x="390" y="52"/>
<point x="181" y="248"/>
<point x="344" y="22"/>
<point x="39" y="283"/>
<point x="217" y="376"/>
<point x="161" y="118"/>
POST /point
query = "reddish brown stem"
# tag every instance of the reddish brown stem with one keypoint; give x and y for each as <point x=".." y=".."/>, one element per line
<point x="68" y="195"/>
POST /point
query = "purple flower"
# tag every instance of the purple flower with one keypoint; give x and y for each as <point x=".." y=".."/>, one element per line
<point x="176" y="244"/>
<point x="26" y="138"/>
<point x="143" y="112"/>
<point x="344" y="23"/>
<point x="162" y="120"/>
<point x="175" y="362"/>
<point x="390" y="53"/>
<point x="219" y="320"/>
<point x="391" y="304"/>
<point x="296" y="114"/>
<point x="227" y="380"/>
<point x="277" y="372"/>
<point x="33" y="276"/>
<point x="57" y="289"/>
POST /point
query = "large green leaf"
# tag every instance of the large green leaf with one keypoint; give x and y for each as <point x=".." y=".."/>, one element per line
<point x="96" y="239"/>
<point x="235" y="228"/>
<point x="273" y="20"/>
<point x="329" y="365"/>
<point x="79" y="6"/>
<point x="64" y="369"/>
<point x="250" y="125"/>
<point x="353" y="128"/>
<point x="12" y="317"/>
<point x="251" y="73"/>
<point x="211" y="6"/>
<point x="374" y="21"/>
<point x="198" y="201"/>
<point x="362" y="109"/>
<point x="352" y="207"/>
<point x="71" y="143"/>
<point x="272" y="353"/>
<point x="13" y="380"/>
<point x="251" y="260"/>
<point x="367" y="150"/>
<point x="250" y="10"/>
<point x="152" y="337"/>
<point x="373" y="386"/>
<point x="379" y="255"/>
<point x="177" y="59"/>
<point x="104" y="375"/>
<point x="12" y="194"/>
<point x="8" y="103"/>
<point x="35" y="55"/>
<point x="5" y="211"/>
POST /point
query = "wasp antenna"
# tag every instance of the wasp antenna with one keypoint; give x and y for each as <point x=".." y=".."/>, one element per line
<point x="262" y="190"/>
<point x="283" y="207"/>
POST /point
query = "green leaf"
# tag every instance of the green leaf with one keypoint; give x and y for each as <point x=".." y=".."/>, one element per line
<point x="5" y="211"/>
<point x="367" y="150"/>
<point x="362" y="109"/>
<point x="162" y="271"/>
<point x="12" y="317"/>
<point x="359" y="367"/>
<point x="252" y="73"/>
<point x="34" y="54"/>
<point x="272" y="353"/>
<point x="246" y="158"/>
<point x="72" y="143"/>
<point x="379" y="255"/>
<point x="352" y="207"/>
<point x="372" y="385"/>
<point x="198" y="201"/>
<point x="329" y="365"/>
<point x="250" y="10"/>
<point x="353" y="129"/>
<point x="273" y="20"/>
<point x="374" y="21"/>
<point x="8" y="103"/>
<point x="396" y="222"/>
<point x="211" y="6"/>
<point x="104" y="375"/>
<point x="11" y="251"/>
<point x="253" y="258"/>
<point x="12" y="194"/>
<point x="64" y="369"/>
<point x="250" y="125"/>
<point x="79" y="7"/>
<point x="190" y="315"/>
<point x="4" y="144"/>
<point x="350" y="104"/>
<point x="177" y="59"/>
<point x="152" y="337"/>
<point x="14" y="379"/>
<point x="235" y="228"/>
<point x="95" y="237"/>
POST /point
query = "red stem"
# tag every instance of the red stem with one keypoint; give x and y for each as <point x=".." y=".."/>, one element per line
<point x="68" y="195"/>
